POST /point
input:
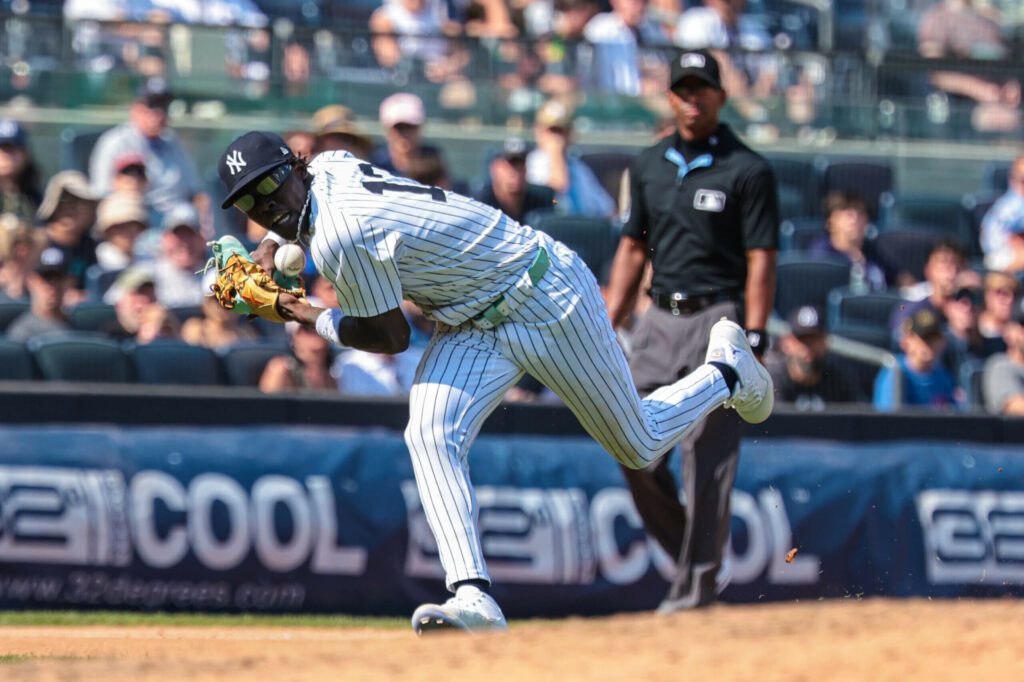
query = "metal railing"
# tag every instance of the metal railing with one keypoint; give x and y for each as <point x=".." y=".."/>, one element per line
<point x="854" y="350"/>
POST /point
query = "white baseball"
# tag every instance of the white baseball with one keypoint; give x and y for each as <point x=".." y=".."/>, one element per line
<point x="290" y="259"/>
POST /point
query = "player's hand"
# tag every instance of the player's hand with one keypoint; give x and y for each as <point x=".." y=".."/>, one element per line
<point x="264" y="255"/>
<point x="296" y="309"/>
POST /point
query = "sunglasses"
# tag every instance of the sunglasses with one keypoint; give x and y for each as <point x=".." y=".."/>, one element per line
<point x="269" y="184"/>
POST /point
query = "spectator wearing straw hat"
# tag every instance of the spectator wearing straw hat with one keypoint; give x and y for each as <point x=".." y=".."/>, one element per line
<point x="67" y="213"/>
<point x="335" y="129"/>
<point x="120" y="219"/>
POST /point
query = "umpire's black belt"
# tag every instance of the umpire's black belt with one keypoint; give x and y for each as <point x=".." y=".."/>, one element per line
<point x="688" y="304"/>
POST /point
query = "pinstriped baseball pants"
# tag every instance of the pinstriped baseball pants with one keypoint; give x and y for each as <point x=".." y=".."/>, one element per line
<point x="559" y="332"/>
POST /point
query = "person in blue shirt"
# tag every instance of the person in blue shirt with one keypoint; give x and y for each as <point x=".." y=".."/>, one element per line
<point x="925" y="381"/>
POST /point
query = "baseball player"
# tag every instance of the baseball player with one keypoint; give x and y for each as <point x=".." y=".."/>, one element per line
<point x="506" y="300"/>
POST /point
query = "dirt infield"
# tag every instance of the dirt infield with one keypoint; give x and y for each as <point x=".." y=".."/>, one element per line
<point x="868" y="641"/>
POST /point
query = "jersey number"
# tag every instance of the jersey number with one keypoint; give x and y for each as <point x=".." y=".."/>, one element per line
<point x="378" y="186"/>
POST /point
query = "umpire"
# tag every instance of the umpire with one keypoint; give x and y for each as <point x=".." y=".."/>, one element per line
<point x="705" y="212"/>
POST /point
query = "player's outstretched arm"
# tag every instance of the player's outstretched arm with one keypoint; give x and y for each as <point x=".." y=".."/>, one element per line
<point x="385" y="333"/>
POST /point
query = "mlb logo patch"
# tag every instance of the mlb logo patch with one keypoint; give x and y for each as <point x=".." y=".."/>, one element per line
<point x="709" y="200"/>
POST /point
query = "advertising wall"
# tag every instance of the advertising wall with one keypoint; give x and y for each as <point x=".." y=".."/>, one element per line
<point x="329" y="520"/>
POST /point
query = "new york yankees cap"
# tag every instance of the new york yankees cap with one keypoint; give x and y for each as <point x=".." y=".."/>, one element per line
<point x="249" y="158"/>
<point x="697" y="63"/>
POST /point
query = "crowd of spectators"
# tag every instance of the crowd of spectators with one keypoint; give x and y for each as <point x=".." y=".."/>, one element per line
<point x="132" y="233"/>
<point x="528" y="50"/>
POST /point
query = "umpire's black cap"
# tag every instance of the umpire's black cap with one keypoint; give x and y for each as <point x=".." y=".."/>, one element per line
<point x="697" y="63"/>
<point x="249" y="158"/>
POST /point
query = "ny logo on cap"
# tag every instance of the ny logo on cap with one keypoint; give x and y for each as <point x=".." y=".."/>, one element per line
<point x="284" y="151"/>
<point x="692" y="60"/>
<point x="235" y="162"/>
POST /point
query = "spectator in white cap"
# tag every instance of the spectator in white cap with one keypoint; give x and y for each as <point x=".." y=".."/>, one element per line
<point x="171" y="174"/>
<point x="182" y="255"/>
<point x="19" y="177"/>
<point x="120" y="219"/>
<point x="402" y="116"/>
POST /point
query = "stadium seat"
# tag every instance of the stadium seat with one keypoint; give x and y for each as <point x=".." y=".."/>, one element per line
<point x="900" y="251"/>
<point x="872" y="336"/>
<point x="182" y="313"/>
<point x="98" y="280"/>
<point x="798" y="234"/>
<point x="977" y="205"/>
<point x="996" y="176"/>
<point x="92" y="317"/>
<point x="873" y="309"/>
<point x="863" y="372"/>
<point x="806" y="281"/>
<point x="80" y="356"/>
<point x="609" y="167"/>
<point x="76" y="147"/>
<point x="169" y="361"/>
<point x="922" y="213"/>
<point x="798" y="181"/>
<point x="971" y="378"/>
<point x="15" y="362"/>
<point x="594" y="239"/>
<point x="9" y="311"/>
<point x="244" y="363"/>
<point x="870" y="179"/>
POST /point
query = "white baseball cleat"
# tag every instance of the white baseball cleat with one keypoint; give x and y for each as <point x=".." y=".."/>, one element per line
<point x="470" y="609"/>
<point x="754" y="395"/>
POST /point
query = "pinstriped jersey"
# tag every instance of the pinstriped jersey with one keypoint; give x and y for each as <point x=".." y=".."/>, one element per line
<point x="381" y="238"/>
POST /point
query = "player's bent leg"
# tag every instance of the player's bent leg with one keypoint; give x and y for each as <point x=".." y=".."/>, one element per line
<point x="460" y="380"/>
<point x="575" y="353"/>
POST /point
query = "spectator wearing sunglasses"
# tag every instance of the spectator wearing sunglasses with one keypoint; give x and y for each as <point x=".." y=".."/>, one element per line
<point x="508" y="189"/>
<point x="1001" y="291"/>
<point x="577" y="189"/>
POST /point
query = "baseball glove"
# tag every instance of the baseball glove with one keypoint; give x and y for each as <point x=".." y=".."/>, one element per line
<point x="244" y="287"/>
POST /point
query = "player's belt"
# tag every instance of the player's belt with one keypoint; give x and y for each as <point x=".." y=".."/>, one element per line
<point x="688" y="304"/>
<point x="498" y="312"/>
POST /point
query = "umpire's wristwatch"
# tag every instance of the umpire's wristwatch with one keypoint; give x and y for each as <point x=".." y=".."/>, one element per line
<point x="758" y="340"/>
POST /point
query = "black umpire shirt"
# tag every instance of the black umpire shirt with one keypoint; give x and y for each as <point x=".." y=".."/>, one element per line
<point x="700" y="207"/>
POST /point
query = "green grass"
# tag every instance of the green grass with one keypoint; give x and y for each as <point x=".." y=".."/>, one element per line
<point x="21" y="658"/>
<point x="23" y="618"/>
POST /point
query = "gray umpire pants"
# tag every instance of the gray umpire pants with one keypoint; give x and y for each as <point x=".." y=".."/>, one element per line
<point x="664" y="348"/>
